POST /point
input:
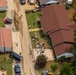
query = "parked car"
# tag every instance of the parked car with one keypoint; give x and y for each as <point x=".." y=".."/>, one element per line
<point x="22" y="2"/>
<point x="17" y="69"/>
<point x="32" y="2"/>
<point x="7" y="20"/>
<point x="16" y="56"/>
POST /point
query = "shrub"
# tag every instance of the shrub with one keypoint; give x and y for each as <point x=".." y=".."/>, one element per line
<point x="41" y="61"/>
<point x="54" y="67"/>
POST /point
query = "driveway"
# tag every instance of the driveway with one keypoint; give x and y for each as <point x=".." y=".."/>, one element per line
<point x="16" y="42"/>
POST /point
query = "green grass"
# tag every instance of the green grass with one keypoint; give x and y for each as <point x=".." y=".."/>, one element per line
<point x="33" y="19"/>
<point x="2" y="16"/>
<point x="42" y="38"/>
<point x="47" y="67"/>
<point x="7" y="64"/>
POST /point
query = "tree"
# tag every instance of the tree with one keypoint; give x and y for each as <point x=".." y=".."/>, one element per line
<point x="74" y="16"/>
<point x="41" y="61"/>
<point x="74" y="44"/>
<point x="66" y="69"/>
<point x="67" y="6"/>
<point x="61" y="59"/>
<point x="54" y="66"/>
<point x="74" y="4"/>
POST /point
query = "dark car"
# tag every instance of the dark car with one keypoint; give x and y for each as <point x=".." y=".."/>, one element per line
<point x="22" y="1"/>
<point x="7" y="20"/>
<point x="16" y="56"/>
<point x="17" y="69"/>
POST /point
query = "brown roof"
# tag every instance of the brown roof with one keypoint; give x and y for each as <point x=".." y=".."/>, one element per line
<point x="5" y="37"/>
<point x="54" y="17"/>
<point x="1" y="39"/>
<point x="55" y="22"/>
<point x="3" y="3"/>
<point x="63" y="48"/>
<point x="61" y="36"/>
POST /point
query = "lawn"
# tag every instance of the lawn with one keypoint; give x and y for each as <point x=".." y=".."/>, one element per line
<point x="6" y="64"/>
<point x="33" y="19"/>
<point x="42" y="38"/>
<point x="47" y="67"/>
<point x="2" y="16"/>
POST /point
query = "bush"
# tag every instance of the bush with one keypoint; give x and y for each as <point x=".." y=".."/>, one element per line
<point x="41" y="61"/>
<point x="74" y="4"/>
<point x="54" y="67"/>
<point x="61" y="59"/>
<point x="67" y="6"/>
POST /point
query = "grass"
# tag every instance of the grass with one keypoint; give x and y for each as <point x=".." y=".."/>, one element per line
<point x="6" y="64"/>
<point x="33" y="19"/>
<point x="42" y="38"/>
<point x="2" y="16"/>
<point x="47" y="67"/>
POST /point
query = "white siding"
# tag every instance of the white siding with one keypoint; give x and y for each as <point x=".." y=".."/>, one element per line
<point x="3" y="8"/>
<point x="67" y="55"/>
<point x="6" y="49"/>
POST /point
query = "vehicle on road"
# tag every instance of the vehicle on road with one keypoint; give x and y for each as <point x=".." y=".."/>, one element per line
<point x="22" y="2"/>
<point x="7" y="20"/>
<point x="17" y="70"/>
<point x="16" y="56"/>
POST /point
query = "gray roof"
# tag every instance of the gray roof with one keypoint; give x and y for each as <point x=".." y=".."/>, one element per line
<point x="49" y="1"/>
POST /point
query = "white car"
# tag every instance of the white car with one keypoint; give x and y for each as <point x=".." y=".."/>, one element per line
<point x="31" y="1"/>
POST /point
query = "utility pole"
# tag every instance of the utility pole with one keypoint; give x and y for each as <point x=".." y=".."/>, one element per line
<point x="4" y="46"/>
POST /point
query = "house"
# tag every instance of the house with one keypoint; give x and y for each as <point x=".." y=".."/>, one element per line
<point x="48" y="2"/>
<point x="3" y="5"/>
<point x="5" y="40"/>
<point x="56" y="23"/>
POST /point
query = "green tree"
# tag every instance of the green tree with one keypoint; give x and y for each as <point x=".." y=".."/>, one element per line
<point x="66" y="69"/>
<point x="61" y="59"/>
<point x="41" y="61"/>
<point x="67" y="6"/>
<point x="74" y="16"/>
<point x="74" y="4"/>
<point x="54" y="66"/>
<point x="74" y="44"/>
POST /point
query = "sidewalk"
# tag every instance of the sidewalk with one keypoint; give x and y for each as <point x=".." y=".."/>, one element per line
<point x="36" y="29"/>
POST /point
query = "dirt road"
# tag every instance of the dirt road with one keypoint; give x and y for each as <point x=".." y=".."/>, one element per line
<point x="28" y="66"/>
<point x="26" y="43"/>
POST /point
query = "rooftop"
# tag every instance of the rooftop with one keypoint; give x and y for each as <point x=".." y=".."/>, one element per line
<point x="5" y="37"/>
<point x="3" y="3"/>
